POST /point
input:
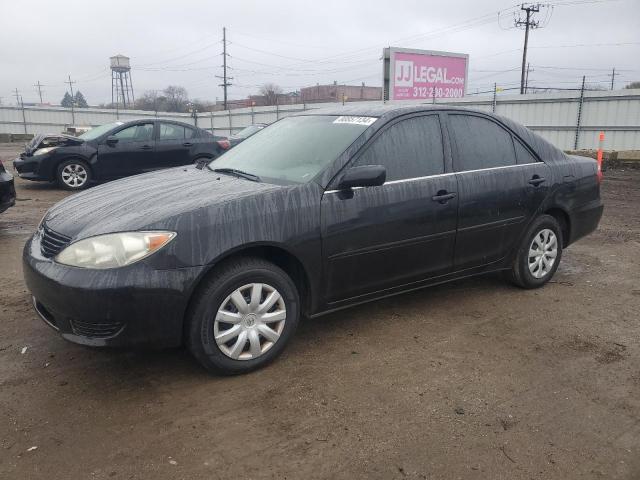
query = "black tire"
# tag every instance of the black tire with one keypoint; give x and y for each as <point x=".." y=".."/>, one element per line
<point x="82" y="171"/>
<point x="230" y="276"/>
<point x="520" y="274"/>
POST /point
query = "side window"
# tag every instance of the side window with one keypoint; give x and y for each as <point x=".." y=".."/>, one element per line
<point x="408" y="149"/>
<point x="522" y="154"/>
<point x="189" y="132"/>
<point x="480" y="143"/>
<point x="136" y="133"/>
<point x="171" y="131"/>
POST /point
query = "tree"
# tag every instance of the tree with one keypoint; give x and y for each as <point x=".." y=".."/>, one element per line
<point x="633" y="85"/>
<point x="150" y="100"/>
<point x="67" y="100"/>
<point x="176" y="98"/>
<point x="79" y="100"/>
<point x="270" y="91"/>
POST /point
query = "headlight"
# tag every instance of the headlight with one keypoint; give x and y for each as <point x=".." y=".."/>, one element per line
<point x="113" y="250"/>
<point x="42" y="151"/>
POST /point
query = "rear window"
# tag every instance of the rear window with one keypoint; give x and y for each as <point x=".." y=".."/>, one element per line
<point x="480" y="143"/>
<point x="523" y="155"/>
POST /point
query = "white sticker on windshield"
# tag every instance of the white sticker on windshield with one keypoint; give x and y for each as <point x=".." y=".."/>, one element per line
<point x="355" y="120"/>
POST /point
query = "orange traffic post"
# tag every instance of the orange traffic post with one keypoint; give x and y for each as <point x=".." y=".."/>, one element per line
<point x="599" y="157"/>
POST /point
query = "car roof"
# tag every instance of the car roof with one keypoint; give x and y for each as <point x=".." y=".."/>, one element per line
<point x="380" y="110"/>
<point x="386" y="112"/>
<point x="156" y="119"/>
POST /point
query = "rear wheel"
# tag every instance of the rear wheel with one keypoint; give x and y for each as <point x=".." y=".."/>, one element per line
<point x="73" y="175"/>
<point x="242" y="317"/>
<point x="539" y="254"/>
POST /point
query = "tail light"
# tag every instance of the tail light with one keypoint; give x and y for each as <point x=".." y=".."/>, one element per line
<point x="224" y="144"/>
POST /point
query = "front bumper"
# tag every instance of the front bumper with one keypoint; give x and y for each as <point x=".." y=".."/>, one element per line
<point x="131" y="306"/>
<point x="7" y="191"/>
<point x="30" y="169"/>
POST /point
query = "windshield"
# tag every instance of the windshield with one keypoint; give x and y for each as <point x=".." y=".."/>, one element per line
<point x="99" y="131"/>
<point x="248" y="131"/>
<point x="294" y="149"/>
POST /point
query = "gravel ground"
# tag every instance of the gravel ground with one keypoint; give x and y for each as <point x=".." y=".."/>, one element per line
<point x="475" y="379"/>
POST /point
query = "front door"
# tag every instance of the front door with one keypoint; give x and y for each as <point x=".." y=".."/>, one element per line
<point x="133" y="153"/>
<point x="498" y="190"/>
<point x="382" y="237"/>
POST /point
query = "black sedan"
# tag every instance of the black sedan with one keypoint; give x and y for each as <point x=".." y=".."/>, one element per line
<point x="316" y="212"/>
<point x="116" y="150"/>
<point x="7" y="189"/>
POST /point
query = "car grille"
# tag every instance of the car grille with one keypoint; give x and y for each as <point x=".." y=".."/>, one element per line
<point x="52" y="242"/>
<point x="95" y="330"/>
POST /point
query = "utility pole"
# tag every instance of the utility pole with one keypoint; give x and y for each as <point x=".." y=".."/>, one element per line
<point x="613" y="77"/>
<point x="526" y="80"/>
<point x="39" y="87"/>
<point x="73" y="114"/>
<point x="225" y="78"/>
<point x="528" y="23"/>
<point x="20" y="103"/>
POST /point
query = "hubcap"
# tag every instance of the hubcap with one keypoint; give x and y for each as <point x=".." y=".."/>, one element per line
<point x="74" y="175"/>
<point x="249" y="321"/>
<point x="542" y="253"/>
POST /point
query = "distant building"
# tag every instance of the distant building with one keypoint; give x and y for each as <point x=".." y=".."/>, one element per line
<point x="336" y="93"/>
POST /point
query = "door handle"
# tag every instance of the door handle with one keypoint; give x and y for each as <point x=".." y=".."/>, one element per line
<point x="187" y="144"/>
<point x="536" y="180"/>
<point x="146" y="147"/>
<point x="443" y="196"/>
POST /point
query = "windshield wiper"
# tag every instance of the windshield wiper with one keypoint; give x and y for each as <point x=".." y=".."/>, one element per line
<point x="238" y="173"/>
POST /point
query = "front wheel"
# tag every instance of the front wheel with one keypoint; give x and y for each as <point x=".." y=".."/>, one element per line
<point x="539" y="254"/>
<point x="73" y="175"/>
<point x="242" y="317"/>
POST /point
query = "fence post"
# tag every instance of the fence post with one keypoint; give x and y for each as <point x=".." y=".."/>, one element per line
<point x="212" y="129"/>
<point x="230" y="123"/>
<point x="24" y="118"/>
<point x="253" y="114"/>
<point x="575" y="144"/>
<point x="277" y="109"/>
<point x="495" y="97"/>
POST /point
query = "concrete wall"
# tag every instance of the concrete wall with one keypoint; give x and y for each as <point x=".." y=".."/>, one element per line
<point x="552" y="115"/>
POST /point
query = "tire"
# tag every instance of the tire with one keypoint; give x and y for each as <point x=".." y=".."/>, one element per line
<point x="73" y="175"/>
<point x="535" y="271"/>
<point x="217" y="300"/>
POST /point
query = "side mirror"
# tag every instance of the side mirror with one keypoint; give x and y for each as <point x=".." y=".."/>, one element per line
<point x="364" y="176"/>
<point x="112" y="140"/>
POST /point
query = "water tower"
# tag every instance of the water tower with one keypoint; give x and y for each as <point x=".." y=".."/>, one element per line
<point x="121" y="86"/>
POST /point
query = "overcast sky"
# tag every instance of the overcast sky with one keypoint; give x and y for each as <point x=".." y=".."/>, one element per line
<point x="299" y="43"/>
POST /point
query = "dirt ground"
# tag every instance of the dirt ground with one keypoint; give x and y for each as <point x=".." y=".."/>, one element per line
<point x="472" y="380"/>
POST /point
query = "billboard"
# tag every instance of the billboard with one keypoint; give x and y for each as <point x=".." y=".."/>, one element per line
<point x="423" y="74"/>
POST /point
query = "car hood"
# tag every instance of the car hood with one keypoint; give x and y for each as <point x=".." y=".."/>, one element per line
<point x="53" y="140"/>
<point x="145" y="201"/>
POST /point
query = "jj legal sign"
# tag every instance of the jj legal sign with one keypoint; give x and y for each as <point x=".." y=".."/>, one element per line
<point x="423" y="74"/>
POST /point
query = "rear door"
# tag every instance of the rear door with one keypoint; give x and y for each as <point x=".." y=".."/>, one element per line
<point x="133" y="153"/>
<point x="381" y="237"/>
<point x="498" y="194"/>
<point x="174" y="146"/>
